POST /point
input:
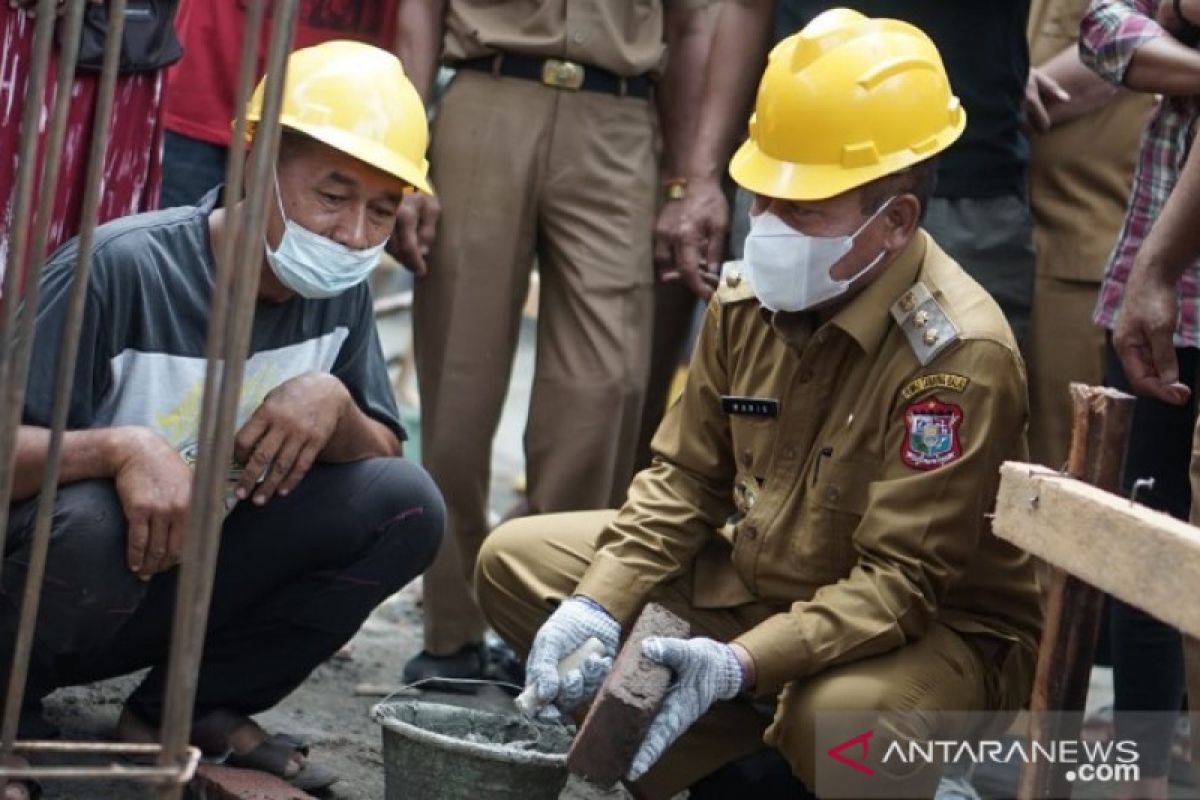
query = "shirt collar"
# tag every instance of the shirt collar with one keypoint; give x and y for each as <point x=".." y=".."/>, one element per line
<point x="867" y="317"/>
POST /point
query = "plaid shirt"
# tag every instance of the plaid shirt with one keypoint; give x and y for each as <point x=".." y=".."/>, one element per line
<point x="1111" y="31"/>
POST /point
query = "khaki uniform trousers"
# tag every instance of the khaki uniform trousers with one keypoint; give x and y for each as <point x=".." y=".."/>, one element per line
<point x="529" y="565"/>
<point x="524" y="170"/>
<point x="1063" y="347"/>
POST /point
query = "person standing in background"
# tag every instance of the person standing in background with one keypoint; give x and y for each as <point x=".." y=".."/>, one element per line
<point x="133" y="157"/>
<point x="1083" y="150"/>
<point x="201" y="90"/>
<point x="1148" y="46"/>
<point x="546" y="145"/>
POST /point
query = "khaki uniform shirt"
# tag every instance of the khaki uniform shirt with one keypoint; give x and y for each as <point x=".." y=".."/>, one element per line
<point x="1080" y="173"/>
<point x="857" y="514"/>
<point x="622" y="36"/>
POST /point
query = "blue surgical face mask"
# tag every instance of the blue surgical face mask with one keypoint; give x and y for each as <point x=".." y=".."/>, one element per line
<point x="313" y="266"/>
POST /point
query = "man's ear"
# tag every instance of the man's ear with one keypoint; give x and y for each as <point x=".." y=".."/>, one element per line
<point x="903" y="217"/>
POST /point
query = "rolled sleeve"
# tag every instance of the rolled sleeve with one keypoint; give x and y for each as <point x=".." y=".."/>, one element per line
<point x="1111" y="32"/>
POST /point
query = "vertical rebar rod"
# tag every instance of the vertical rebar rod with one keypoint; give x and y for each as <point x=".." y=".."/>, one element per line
<point x="64" y="384"/>
<point x="204" y="525"/>
<point x="17" y="369"/>
<point x="19" y="268"/>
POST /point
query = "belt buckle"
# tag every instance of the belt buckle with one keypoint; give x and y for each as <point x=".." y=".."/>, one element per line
<point x="562" y="74"/>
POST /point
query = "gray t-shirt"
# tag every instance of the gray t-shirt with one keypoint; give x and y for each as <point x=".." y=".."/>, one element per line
<point x="141" y="355"/>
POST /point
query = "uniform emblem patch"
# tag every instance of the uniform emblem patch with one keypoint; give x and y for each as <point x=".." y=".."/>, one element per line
<point x="931" y="439"/>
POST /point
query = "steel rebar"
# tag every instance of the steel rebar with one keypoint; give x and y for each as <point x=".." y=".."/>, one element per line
<point x="242" y="255"/>
<point x="19" y="268"/>
<point x="64" y="383"/>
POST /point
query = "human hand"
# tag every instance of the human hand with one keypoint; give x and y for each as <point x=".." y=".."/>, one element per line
<point x="705" y="671"/>
<point x="574" y="622"/>
<point x="282" y="439"/>
<point x="1143" y="338"/>
<point x="689" y="236"/>
<point x="1041" y="91"/>
<point x="416" y="226"/>
<point x="154" y="485"/>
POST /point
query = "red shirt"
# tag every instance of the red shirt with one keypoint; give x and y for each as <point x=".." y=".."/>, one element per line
<point x="201" y="87"/>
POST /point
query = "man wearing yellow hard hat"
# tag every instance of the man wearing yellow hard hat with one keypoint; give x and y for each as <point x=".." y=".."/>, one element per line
<point x="325" y="520"/>
<point x="817" y="506"/>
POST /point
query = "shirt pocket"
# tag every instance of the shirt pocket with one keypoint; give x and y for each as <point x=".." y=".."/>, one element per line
<point x="753" y="444"/>
<point x="824" y="550"/>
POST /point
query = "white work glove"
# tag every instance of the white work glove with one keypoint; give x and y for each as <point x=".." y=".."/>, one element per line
<point x="705" y="671"/>
<point x="576" y="620"/>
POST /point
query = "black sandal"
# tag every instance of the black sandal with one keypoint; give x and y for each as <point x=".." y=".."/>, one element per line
<point x="274" y="754"/>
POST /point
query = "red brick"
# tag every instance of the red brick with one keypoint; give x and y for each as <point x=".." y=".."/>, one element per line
<point x="626" y="704"/>
<point x="214" y="782"/>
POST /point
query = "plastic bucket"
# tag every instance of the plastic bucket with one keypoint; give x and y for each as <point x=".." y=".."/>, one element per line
<point x="445" y="752"/>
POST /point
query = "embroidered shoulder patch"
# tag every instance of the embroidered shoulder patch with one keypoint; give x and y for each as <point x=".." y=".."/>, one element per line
<point x="939" y="380"/>
<point x="931" y="434"/>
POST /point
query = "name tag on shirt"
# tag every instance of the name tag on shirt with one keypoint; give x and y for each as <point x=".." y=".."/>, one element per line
<point x="750" y="406"/>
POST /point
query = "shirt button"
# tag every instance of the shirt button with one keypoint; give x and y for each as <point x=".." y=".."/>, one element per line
<point x="789" y="452"/>
<point x="751" y="532"/>
<point x="832" y="493"/>
<point x="747" y="457"/>
<point x="579" y="37"/>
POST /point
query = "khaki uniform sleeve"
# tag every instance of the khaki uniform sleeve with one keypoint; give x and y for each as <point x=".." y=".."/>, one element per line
<point x="677" y="503"/>
<point x="919" y="531"/>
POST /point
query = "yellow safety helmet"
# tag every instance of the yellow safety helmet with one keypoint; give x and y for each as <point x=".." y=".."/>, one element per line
<point x="843" y="102"/>
<point x="357" y="99"/>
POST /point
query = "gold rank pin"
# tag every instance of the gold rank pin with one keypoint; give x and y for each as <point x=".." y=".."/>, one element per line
<point x="925" y="324"/>
<point x="733" y="285"/>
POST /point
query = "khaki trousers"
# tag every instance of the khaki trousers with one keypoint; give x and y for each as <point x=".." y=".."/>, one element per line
<point x="529" y="565"/>
<point x="1063" y="346"/>
<point x="523" y="170"/>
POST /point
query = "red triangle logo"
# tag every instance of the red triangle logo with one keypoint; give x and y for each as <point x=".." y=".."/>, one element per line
<point x="862" y="740"/>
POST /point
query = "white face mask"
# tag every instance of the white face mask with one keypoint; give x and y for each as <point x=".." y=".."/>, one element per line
<point x="315" y="267"/>
<point x="789" y="270"/>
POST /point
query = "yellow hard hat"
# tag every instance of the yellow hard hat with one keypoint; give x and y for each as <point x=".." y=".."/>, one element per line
<point x="357" y="99"/>
<point x="845" y="101"/>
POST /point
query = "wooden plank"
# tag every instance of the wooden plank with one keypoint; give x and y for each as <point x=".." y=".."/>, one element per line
<point x="1144" y="557"/>
<point x="1073" y="608"/>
